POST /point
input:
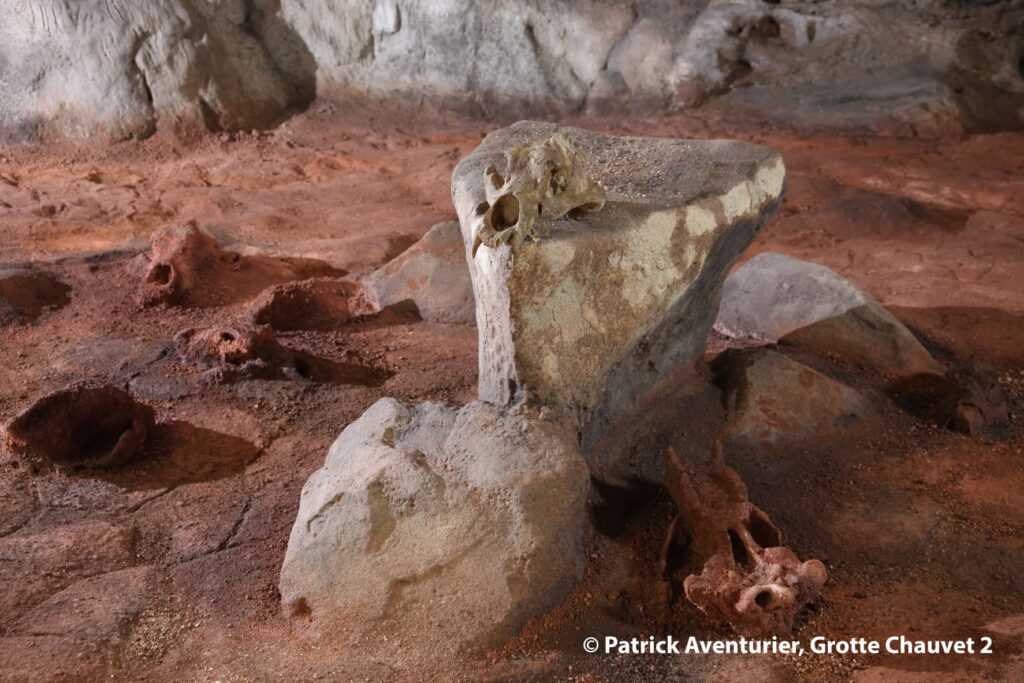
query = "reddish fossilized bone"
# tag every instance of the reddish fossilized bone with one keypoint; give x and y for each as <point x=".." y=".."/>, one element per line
<point x="748" y="578"/>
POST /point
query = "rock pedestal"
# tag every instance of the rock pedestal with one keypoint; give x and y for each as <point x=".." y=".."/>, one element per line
<point x="447" y="528"/>
<point x="598" y="312"/>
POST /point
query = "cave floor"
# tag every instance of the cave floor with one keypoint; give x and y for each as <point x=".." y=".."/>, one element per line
<point x="922" y="528"/>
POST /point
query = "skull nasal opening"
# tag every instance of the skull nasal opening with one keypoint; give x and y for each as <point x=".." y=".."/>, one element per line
<point x="505" y="212"/>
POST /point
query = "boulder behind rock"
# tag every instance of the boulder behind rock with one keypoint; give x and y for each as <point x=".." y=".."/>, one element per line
<point x="770" y="398"/>
<point x="432" y="273"/>
<point x="778" y="298"/>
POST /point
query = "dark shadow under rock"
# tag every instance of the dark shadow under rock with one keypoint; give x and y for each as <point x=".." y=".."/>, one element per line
<point x="25" y="294"/>
<point x="181" y="453"/>
<point x="927" y="396"/>
<point x="618" y="508"/>
<point x="326" y="371"/>
<point x="404" y="312"/>
<point x="683" y="410"/>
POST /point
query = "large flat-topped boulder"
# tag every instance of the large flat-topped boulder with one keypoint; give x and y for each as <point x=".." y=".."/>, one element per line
<point x="601" y="306"/>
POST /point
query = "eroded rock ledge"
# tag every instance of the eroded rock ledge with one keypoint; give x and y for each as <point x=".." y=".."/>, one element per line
<point x="122" y="68"/>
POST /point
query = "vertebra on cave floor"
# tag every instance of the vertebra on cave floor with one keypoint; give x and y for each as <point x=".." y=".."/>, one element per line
<point x="229" y="353"/>
<point x="748" y="578"/>
<point x="234" y="354"/>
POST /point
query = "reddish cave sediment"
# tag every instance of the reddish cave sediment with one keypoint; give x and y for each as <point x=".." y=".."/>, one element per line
<point x="894" y="506"/>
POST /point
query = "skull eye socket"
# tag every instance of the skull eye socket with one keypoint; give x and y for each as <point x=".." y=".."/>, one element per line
<point x="559" y="181"/>
<point x="505" y="212"/>
<point x="159" y="275"/>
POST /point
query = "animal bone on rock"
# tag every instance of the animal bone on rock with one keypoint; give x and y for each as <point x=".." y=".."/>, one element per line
<point x="596" y="316"/>
<point x="748" y="578"/>
<point x="247" y="352"/>
<point x="546" y="178"/>
<point x="214" y="347"/>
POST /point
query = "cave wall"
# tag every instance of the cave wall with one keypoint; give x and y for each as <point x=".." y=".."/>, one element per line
<point x="122" y="68"/>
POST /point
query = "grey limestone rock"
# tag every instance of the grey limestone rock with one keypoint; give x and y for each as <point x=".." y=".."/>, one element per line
<point x="448" y="527"/>
<point x="778" y="298"/>
<point x="598" y="311"/>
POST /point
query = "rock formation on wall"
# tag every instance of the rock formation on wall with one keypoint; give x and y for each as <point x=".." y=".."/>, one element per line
<point x="117" y="67"/>
<point x="78" y="67"/>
